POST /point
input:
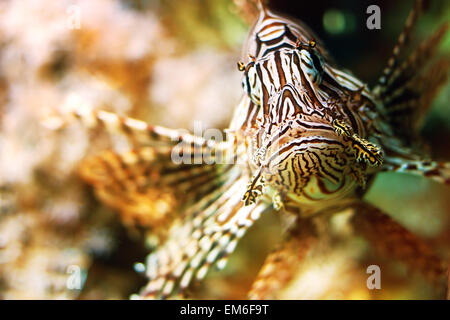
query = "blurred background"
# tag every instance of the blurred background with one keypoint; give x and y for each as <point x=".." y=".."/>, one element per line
<point x="171" y="63"/>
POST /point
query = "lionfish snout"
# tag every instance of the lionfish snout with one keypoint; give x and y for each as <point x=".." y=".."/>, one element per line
<point x="306" y="146"/>
<point x="303" y="157"/>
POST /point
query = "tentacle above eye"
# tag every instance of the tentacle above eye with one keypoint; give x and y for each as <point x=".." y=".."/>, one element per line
<point x="363" y="149"/>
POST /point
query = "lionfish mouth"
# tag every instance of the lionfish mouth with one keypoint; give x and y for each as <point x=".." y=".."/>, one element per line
<point x="293" y="149"/>
<point x="301" y="148"/>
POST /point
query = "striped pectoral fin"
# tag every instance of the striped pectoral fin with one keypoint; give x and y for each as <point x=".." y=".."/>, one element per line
<point x="124" y="182"/>
<point x="407" y="89"/>
<point x="138" y="132"/>
<point x="392" y="240"/>
<point x="282" y="264"/>
<point x="402" y="41"/>
<point x="145" y="184"/>
<point x="415" y="63"/>
<point x="182" y="146"/>
<point x="206" y="237"/>
<point x="407" y="105"/>
<point x="434" y="170"/>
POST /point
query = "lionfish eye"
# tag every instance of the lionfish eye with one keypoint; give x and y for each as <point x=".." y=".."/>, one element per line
<point x="307" y="52"/>
<point x="311" y="65"/>
<point x="251" y="84"/>
<point x="316" y="61"/>
<point x="312" y="58"/>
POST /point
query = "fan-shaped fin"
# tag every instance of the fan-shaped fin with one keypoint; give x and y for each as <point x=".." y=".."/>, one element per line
<point x="402" y="41"/>
<point x="435" y="170"/>
<point x="206" y="236"/>
<point x="147" y="186"/>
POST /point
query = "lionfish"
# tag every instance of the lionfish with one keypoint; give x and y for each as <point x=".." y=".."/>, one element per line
<point x="306" y="139"/>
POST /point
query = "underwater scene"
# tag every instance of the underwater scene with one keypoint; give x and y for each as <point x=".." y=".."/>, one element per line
<point x="224" y="149"/>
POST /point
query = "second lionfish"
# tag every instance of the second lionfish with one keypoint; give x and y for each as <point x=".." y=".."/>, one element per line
<point x="306" y="140"/>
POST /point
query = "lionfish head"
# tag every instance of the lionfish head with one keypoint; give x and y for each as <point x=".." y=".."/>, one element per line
<point x="304" y="134"/>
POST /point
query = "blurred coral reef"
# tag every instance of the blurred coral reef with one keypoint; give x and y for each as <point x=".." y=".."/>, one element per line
<point x="170" y="63"/>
